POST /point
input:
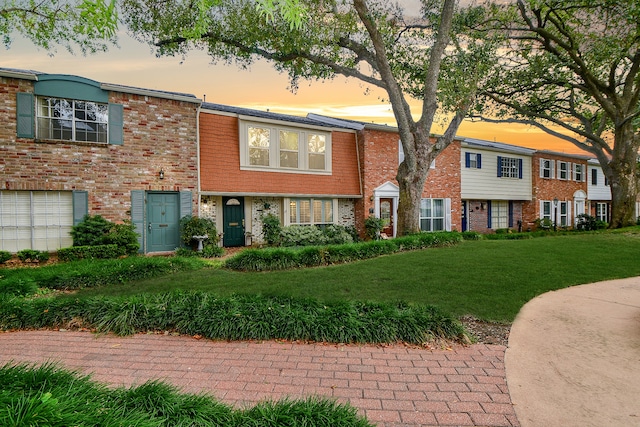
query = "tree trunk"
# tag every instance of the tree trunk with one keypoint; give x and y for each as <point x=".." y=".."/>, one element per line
<point x="624" y="176"/>
<point x="411" y="178"/>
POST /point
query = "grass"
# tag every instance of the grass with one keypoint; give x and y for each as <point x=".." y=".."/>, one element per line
<point x="489" y="279"/>
<point x="49" y="396"/>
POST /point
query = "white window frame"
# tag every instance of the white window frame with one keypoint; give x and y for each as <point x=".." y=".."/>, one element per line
<point x="544" y="205"/>
<point x="564" y="170"/>
<point x="428" y="204"/>
<point x="602" y="211"/>
<point x="275" y="150"/>
<point x="564" y="218"/>
<point x="43" y="105"/>
<point x="499" y="214"/>
<point x="544" y="169"/>
<point x="289" y="201"/>
<point x="579" y="172"/>
<point x="473" y="160"/>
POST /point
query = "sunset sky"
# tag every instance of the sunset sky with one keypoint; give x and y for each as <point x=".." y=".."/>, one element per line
<point x="260" y="87"/>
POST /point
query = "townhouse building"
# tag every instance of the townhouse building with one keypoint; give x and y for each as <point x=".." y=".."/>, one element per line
<point x="71" y="146"/>
<point x="559" y="192"/>
<point x="496" y="185"/>
<point x="254" y="163"/>
<point x="598" y="192"/>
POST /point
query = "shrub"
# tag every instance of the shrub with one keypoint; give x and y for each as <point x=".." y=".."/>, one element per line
<point x="271" y="229"/>
<point x="5" y="256"/>
<point x="336" y="234"/>
<point x="373" y="226"/>
<point x="76" y="253"/>
<point x="198" y="226"/>
<point x="586" y="222"/>
<point x="91" y="231"/>
<point x="210" y="251"/>
<point x="301" y="235"/>
<point x="97" y="231"/>
<point x="18" y="287"/>
<point x="32" y="255"/>
<point x="471" y="235"/>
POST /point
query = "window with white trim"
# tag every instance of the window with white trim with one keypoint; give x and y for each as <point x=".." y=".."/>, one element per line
<point x="546" y="210"/>
<point x="310" y="211"/>
<point x="578" y="172"/>
<point x="71" y="120"/>
<point x="432" y="215"/>
<point x="546" y="168"/>
<point x="473" y="160"/>
<point x="499" y="214"/>
<point x="287" y="149"/>
<point x="563" y="170"/>
<point x="602" y="212"/>
<point x="563" y="213"/>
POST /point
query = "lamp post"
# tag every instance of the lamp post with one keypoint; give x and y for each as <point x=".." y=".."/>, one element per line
<point x="555" y="213"/>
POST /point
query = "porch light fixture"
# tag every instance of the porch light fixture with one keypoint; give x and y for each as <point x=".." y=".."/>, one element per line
<point x="161" y="173"/>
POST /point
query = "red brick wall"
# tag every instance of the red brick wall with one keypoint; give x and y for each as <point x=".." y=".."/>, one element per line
<point x="548" y="189"/>
<point x="220" y="165"/>
<point x="379" y="158"/>
<point x="158" y="134"/>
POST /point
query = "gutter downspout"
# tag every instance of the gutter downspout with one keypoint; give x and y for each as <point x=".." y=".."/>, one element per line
<point x="199" y="187"/>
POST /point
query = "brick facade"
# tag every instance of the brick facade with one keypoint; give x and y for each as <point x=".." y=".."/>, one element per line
<point x="379" y="157"/>
<point x="220" y="165"/>
<point x="548" y="189"/>
<point x="158" y="134"/>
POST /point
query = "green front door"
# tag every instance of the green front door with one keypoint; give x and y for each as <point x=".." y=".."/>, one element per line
<point x="233" y="217"/>
<point x="163" y="229"/>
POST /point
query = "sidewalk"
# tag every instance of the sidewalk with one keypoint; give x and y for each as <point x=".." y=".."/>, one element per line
<point x="390" y="385"/>
<point x="574" y="357"/>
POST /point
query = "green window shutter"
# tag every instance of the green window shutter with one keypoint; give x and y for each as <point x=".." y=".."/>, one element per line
<point x="186" y="204"/>
<point x="137" y="215"/>
<point x="80" y="206"/>
<point x="116" y="124"/>
<point x="25" y="115"/>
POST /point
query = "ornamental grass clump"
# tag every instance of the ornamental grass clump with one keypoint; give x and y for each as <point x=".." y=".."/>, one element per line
<point x="48" y="395"/>
<point x="236" y="318"/>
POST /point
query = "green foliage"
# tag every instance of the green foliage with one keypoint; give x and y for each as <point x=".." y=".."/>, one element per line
<point x="586" y="222"/>
<point x="91" y="231"/>
<point x="18" y="287"/>
<point x="373" y="226"/>
<point x="76" y="253"/>
<point x="271" y="229"/>
<point x="313" y="256"/>
<point x="92" y="273"/>
<point x="90" y="25"/>
<point x="5" y="256"/>
<point x="49" y="396"/>
<point x="471" y="235"/>
<point x="198" y="226"/>
<point x="238" y="317"/>
<point x="32" y="255"/>
<point x="309" y="235"/>
<point x="96" y="231"/>
<point x="207" y="252"/>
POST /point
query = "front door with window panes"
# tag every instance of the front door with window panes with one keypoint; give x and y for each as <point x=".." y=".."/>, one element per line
<point x="233" y="218"/>
<point x="386" y="215"/>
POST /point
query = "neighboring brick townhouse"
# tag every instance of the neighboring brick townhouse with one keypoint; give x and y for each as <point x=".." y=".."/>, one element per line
<point x="254" y="163"/>
<point x="70" y="146"/>
<point x="559" y="189"/>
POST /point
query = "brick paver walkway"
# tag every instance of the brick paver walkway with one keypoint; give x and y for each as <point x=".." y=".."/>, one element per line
<point x="390" y="385"/>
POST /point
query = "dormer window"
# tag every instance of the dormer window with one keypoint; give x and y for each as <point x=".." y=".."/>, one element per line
<point x="71" y="120"/>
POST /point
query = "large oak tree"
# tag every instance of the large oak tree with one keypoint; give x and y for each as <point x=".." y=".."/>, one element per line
<point x="370" y="40"/>
<point x="572" y="68"/>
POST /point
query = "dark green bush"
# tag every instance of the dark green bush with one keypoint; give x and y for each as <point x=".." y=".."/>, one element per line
<point x="76" y="253"/>
<point x="17" y="287"/>
<point x="207" y="252"/>
<point x="91" y="273"/>
<point x="5" y="256"/>
<point x="373" y="226"/>
<point x="310" y="235"/>
<point x="586" y="222"/>
<point x="513" y="236"/>
<point x="471" y="235"/>
<point x="271" y="229"/>
<point x="198" y="226"/>
<point x="313" y="256"/>
<point x="238" y="317"/>
<point x="32" y="255"/>
<point x="97" y="231"/>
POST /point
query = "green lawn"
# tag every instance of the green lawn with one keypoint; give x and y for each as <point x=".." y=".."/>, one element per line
<point x="488" y="279"/>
